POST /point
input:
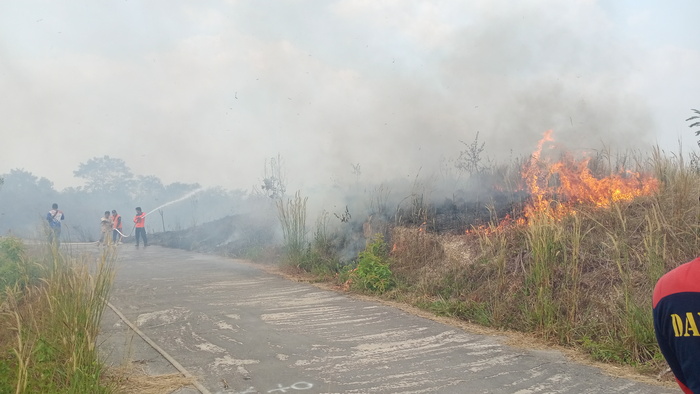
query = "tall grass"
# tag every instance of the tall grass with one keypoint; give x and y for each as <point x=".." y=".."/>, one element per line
<point x="50" y="327"/>
<point x="292" y="216"/>
<point x="546" y="246"/>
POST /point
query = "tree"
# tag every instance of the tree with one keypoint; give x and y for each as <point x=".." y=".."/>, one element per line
<point x="147" y="186"/>
<point x="24" y="183"/>
<point x="105" y="174"/>
<point x="696" y="118"/>
<point x="25" y="197"/>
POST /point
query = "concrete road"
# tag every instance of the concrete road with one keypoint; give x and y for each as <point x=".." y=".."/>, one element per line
<point x="240" y="329"/>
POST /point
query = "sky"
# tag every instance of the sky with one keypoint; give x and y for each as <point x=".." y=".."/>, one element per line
<point x="209" y="91"/>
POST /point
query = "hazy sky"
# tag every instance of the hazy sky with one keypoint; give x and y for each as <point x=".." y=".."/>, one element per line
<point x="207" y="91"/>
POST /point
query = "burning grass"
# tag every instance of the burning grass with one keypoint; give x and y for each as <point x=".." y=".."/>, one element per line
<point x="574" y="262"/>
<point x="576" y="266"/>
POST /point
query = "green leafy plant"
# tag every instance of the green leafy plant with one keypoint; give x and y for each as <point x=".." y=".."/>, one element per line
<point x="15" y="269"/>
<point x="372" y="272"/>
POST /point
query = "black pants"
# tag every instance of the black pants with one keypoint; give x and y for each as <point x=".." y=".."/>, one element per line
<point x="142" y="232"/>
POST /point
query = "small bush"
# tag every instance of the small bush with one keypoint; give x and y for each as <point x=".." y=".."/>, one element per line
<point x="15" y="269"/>
<point x="372" y="272"/>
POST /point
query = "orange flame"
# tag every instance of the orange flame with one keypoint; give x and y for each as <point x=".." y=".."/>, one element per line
<point x="557" y="188"/>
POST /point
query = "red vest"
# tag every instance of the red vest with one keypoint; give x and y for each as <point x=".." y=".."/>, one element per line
<point x="140" y="220"/>
<point x="117" y="222"/>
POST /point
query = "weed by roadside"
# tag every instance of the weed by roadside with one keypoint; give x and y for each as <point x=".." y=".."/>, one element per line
<point x="50" y="320"/>
<point x="371" y="273"/>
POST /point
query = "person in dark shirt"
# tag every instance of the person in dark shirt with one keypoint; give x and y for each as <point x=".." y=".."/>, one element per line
<point x="676" y="303"/>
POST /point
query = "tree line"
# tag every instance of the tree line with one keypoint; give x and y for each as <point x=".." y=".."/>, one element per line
<point x="108" y="184"/>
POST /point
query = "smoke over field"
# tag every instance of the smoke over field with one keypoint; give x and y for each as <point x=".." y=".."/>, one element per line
<point x="203" y="94"/>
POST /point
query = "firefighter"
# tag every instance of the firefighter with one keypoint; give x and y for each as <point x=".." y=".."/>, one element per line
<point x="117" y="227"/>
<point x="140" y="225"/>
<point x="105" y="229"/>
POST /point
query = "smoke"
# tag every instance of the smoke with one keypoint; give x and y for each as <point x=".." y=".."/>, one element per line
<point x="205" y="94"/>
<point x="510" y="73"/>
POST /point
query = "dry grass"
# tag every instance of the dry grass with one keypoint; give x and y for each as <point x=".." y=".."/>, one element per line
<point x="132" y="379"/>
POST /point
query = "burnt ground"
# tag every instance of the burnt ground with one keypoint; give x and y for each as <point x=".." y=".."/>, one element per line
<point x="244" y="234"/>
<point x="233" y="236"/>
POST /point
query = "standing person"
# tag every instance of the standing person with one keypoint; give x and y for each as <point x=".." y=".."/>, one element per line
<point x="54" y="218"/>
<point x="140" y="225"/>
<point x="105" y="228"/>
<point x="117" y="227"/>
<point x="676" y="304"/>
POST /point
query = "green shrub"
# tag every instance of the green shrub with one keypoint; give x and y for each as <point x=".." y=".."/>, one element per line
<point x="15" y="269"/>
<point x="372" y="272"/>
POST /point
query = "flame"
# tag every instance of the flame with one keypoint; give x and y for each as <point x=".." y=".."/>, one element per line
<point x="557" y="188"/>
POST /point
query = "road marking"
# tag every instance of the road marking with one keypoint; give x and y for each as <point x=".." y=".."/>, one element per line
<point x="295" y="386"/>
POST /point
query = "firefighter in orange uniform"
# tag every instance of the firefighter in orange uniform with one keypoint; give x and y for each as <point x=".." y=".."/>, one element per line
<point x="117" y="227"/>
<point x="140" y="225"/>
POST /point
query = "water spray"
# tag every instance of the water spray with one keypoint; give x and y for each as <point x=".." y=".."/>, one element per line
<point x="186" y="196"/>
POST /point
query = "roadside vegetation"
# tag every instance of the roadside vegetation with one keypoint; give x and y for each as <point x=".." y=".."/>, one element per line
<point x="51" y="306"/>
<point x="573" y="263"/>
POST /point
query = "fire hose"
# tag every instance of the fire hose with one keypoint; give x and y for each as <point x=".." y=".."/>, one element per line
<point x="162" y="206"/>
